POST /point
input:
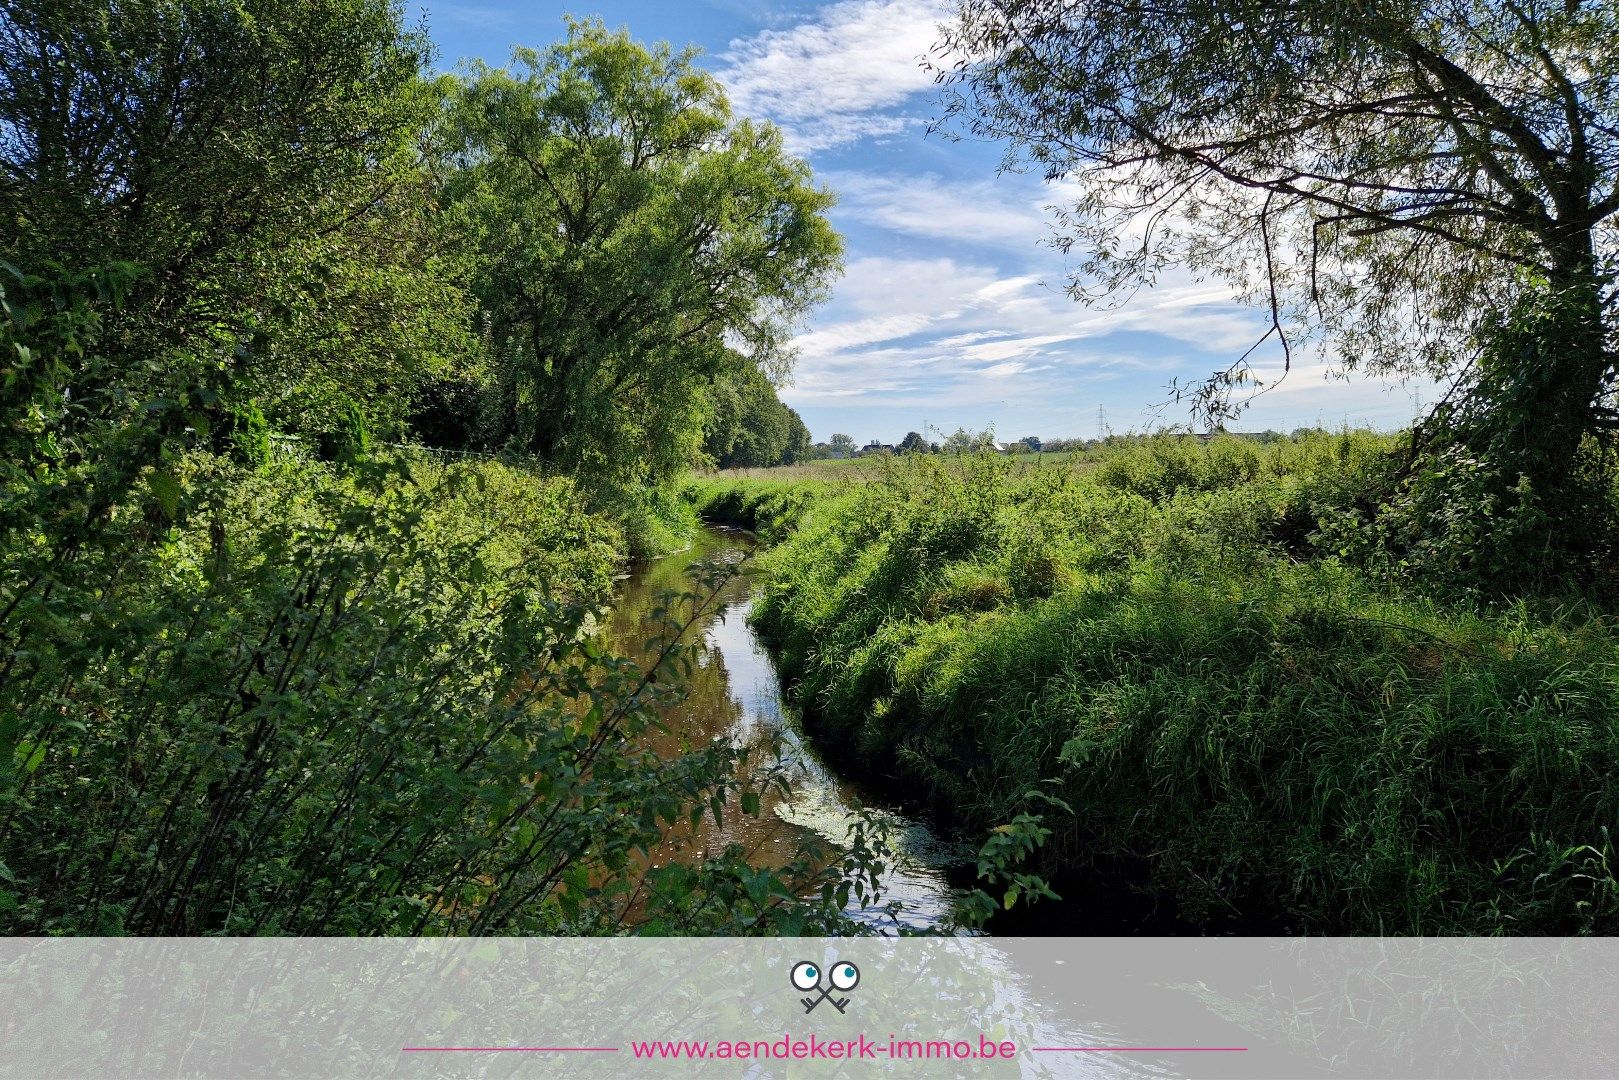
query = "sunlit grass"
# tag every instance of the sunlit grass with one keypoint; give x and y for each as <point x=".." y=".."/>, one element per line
<point x="1240" y="719"/>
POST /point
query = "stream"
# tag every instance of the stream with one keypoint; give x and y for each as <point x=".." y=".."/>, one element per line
<point x="736" y="695"/>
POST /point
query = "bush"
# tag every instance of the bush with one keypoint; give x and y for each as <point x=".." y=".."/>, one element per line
<point x="1238" y="716"/>
<point x="770" y="508"/>
<point x="317" y="699"/>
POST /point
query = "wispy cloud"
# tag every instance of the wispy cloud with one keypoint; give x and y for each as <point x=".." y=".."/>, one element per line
<point x="848" y="335"/>
<point x="952" y="331"/>
<point x="483" y="15"/>
<point x="984" y="212"/>
<point x="985" y="330"/>
<point x="758" y="14"/>
<point x="836" y="78"/>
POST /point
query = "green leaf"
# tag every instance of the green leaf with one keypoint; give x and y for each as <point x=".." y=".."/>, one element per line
<point x="166" y="489"/>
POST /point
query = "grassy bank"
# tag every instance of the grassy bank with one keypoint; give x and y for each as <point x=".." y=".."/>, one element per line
<point x="362" y="697"/>
<point x="1242" y="714"/>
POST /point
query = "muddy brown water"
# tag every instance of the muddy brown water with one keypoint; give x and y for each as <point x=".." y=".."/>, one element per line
<point x="736" y="695"/>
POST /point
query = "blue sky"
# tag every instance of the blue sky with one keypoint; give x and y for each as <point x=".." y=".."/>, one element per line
<point x="951" y="311"/>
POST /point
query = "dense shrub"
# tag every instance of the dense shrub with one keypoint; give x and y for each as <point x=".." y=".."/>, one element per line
<point x="302" y="697"/>
<point x="1239" y="714"/>
<point x="770" y="508"/>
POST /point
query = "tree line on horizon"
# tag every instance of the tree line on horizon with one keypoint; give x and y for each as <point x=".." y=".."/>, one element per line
<point x="963" y="441"/>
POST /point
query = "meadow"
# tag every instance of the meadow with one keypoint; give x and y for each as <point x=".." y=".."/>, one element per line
<point x="875" y="466"/>
<point x="1231" y="699"/>
<point x="339" y="382"/>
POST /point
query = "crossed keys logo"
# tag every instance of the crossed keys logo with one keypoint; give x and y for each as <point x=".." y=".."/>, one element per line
<point x="806" y="976"/>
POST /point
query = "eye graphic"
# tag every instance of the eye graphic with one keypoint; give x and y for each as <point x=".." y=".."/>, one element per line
<point x="845" y="976"/>
<point x="806" y="976"/>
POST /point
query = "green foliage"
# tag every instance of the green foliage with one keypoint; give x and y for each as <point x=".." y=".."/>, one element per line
<point x="1459" y="190"/>
<point x="627" y="237"/>
<point x="1509" y="489"/>
<point x="249" y="434"/>
<point x="306" y="700"/>
<point x="749" y="426"/>
<point x="962" y="441"/>
<point x="261" y="672"/>
<point x="1008" y="847"/>
<point x="1177" y="645"/>
<point x="1169" y="465"/>
<point x="258" y="160"/>
<point x="348" y="442"/>
<point x="72" y="442"/>
<point x="654" y="520"/>
<point x="771" y="509"/>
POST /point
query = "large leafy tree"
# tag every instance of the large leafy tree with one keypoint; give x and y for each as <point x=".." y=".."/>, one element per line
<point x="630" y="237"/>
<point x="1413" y="178"/>
<point x="257" y="160"/>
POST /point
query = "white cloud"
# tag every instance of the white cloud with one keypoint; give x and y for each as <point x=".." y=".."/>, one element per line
<point x="982" y="212"/>
<point x="995" y="371"/>
<point x="976" y="334"/>
<point x="842" y="336"/>
<point x="1009" y="286"/>
<point x="986" y="332"/>
<point x="884" y="285"/>
<point x="1007" y="348"/>
<point x="971" y="338"/>
<point x="831" y="80"/>
<point x="971" y="306"/>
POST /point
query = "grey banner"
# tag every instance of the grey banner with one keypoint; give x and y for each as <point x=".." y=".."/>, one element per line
<point x="1235" y="1007"/>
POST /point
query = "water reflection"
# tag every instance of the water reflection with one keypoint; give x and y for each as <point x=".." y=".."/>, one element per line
<point x="736" y="695"/>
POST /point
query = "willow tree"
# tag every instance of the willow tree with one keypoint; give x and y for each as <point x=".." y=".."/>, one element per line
<point x="629" y="237"/>
<point x="1412" y="180"/>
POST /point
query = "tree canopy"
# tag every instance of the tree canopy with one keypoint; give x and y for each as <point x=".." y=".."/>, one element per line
<point x="629" y="237"/>
<point x="257" y="160"/>
<point x="1398" y="176"/>
<point x="749" y="426"/>
<point x="913" y="443"/>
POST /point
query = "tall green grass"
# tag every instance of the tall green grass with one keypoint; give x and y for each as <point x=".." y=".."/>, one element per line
<point x="1174" y="644"/>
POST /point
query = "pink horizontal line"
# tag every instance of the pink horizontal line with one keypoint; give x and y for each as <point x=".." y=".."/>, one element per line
<point x="511" y="1049"/>
<point x="1136" y="1049"/>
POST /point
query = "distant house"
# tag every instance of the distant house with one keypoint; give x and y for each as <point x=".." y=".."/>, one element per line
<point x="875" y="447"/>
